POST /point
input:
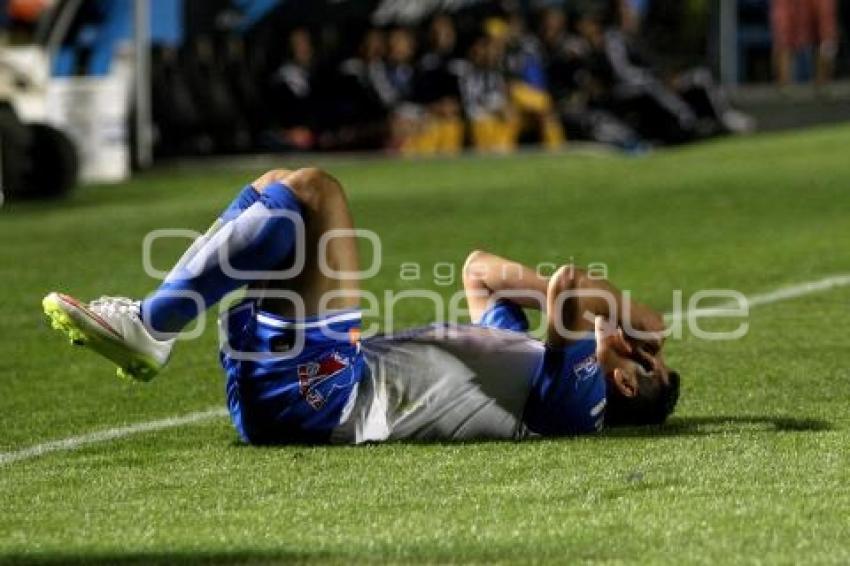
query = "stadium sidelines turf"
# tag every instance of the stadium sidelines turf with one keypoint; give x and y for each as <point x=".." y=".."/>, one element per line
<point x="753" y="468"/>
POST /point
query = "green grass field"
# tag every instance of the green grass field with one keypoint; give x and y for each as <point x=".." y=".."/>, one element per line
<point x="754" y="468"/>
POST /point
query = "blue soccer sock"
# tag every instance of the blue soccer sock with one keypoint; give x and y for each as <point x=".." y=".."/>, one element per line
<point x="252" y="234"/>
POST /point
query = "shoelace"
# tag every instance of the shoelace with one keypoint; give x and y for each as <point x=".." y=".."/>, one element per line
<point x="111" y="306"/>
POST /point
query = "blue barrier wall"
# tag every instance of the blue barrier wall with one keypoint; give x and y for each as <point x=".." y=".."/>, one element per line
<point x="93" y="44"/>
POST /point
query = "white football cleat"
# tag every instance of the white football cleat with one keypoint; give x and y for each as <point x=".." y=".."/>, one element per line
<point x="112" y="327"/>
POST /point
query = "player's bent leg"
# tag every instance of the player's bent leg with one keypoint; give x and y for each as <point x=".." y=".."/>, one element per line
<point x="328" y="281"/>
<point x="256" y="232"/>
<point x="288" y="394"/>
<point x="305" y="362"/>
<point x="260" y="239"/>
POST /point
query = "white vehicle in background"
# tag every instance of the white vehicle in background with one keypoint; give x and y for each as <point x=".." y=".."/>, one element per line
<point x="56" y="129"/>
<point x="37" y="158"/>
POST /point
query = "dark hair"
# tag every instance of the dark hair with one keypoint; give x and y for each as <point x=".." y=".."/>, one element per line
<point x="652" y="405"/>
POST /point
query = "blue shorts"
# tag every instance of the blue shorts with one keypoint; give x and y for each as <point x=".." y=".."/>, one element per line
<point x="290" y="381"/>
<point x="568" y="396"/>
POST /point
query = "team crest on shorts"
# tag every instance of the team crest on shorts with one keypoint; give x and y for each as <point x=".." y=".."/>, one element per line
<point x="312" y="374"/>
<point x="585" y="368"/>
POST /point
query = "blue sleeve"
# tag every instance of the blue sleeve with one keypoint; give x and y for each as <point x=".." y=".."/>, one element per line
<point x="505" y="315"/>
<point x="568" y="396"/>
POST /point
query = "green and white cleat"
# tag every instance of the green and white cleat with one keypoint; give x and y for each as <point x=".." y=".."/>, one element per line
<point x="112" y="327"/>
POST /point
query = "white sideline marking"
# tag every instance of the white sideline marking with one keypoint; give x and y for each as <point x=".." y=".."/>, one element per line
<point x="779" y="295"/>
<point x="75" y="442"/>
<point x="106" y="435"/>
<point x="801" y="290"/>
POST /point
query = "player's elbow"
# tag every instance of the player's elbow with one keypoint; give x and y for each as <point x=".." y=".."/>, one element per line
<point x="565" y="279"/>
<point x="474" y="268"/>
<point x="474" y="257"/>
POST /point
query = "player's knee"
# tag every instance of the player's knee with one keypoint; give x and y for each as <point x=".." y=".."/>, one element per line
<point x="308" y="177"/>
<point x="475" y="269"/>
<point x="314" y="187"/>
<point x="270" y="177"/>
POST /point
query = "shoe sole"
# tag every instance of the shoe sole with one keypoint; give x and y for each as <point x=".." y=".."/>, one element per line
<point x="64" y="317"/>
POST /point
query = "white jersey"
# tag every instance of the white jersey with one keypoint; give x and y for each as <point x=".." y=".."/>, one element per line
<point x="445" y="382"/>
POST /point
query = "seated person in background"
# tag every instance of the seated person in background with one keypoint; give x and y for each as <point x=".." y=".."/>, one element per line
<point x="568" y="58"/>
<point x="385" y="77"/>
<point x="437" y="89"/>
<point x="405" y="116"/>
<point x="581" y="99"/>
<point x="709" y="102"/>
<point x="435" y="80"/>
<point x="293" y="93"/>
<point x="671" y="40"/>
<point x="485" y="98"/>
<point x="634" y="92"/>
<point x="417" y="128"/>
<point x="364" y="97"/>
<point x="528" y="83"/>
<point x="686" y="106"/>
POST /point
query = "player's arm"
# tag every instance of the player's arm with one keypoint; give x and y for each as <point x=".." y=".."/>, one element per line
<point x="574" y="299"/>
<point x="486" y="276"/>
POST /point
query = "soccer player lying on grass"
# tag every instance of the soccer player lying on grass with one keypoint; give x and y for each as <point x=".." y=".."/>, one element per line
<point x="305" y="375"/>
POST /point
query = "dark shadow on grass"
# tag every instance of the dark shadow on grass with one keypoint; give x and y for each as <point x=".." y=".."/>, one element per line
<point x="676" y="426"/>
<point x="722" y="424"/>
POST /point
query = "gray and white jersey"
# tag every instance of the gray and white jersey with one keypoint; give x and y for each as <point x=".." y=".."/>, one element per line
<point x="444" y="383"/>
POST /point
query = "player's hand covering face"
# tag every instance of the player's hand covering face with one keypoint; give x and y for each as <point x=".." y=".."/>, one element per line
<point x="624" y="361"/>
<point x="648" y="322"/>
